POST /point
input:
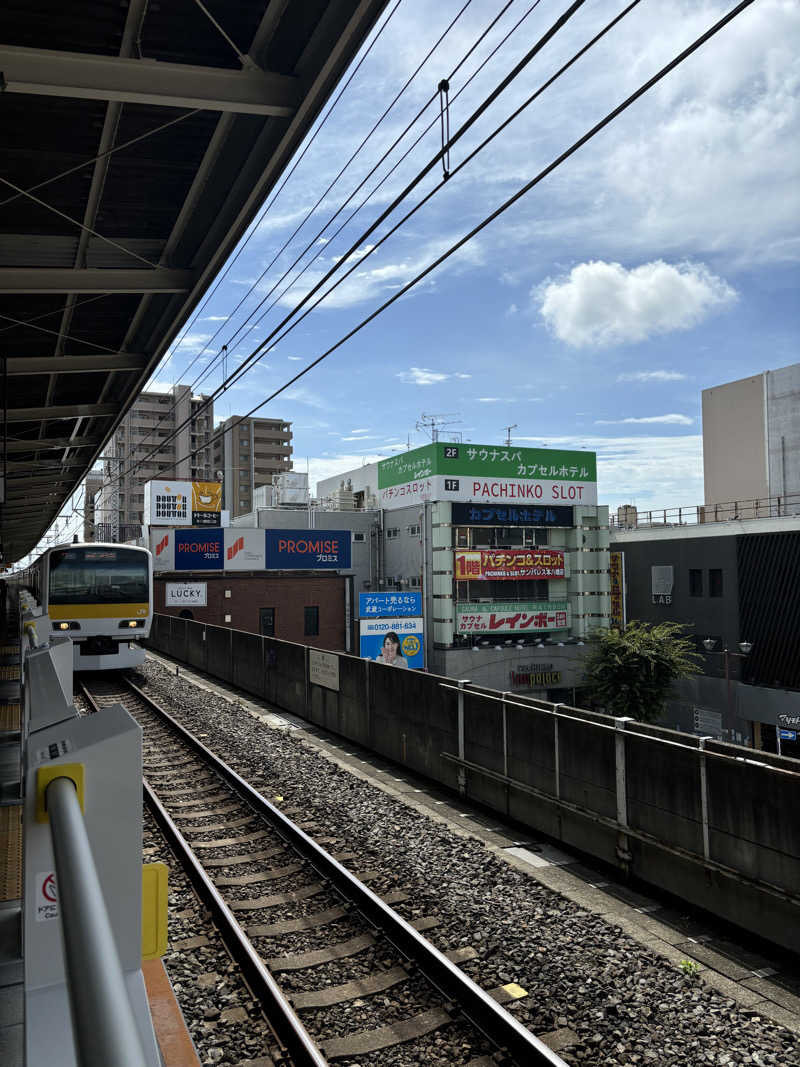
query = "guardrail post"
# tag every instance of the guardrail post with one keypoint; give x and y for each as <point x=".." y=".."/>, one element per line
<point x="556" y="753"/>
<point x="462" y="774"/>
<point x="704" y="796"/>
<point x="623" y="851"/>
<point x="506" y="693"/>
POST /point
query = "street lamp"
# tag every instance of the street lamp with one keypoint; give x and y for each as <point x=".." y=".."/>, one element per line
<point x="745" y="647"/>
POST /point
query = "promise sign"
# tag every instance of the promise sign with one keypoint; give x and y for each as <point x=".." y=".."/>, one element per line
<point x="506" y="564"/>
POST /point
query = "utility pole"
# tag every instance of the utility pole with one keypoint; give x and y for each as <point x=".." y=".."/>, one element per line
<point x="508" y="430"/>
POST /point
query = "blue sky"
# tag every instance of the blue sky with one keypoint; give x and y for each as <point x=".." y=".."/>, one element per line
<point x="659" y="260"/>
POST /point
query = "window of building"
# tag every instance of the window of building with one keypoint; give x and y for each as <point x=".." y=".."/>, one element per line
<point x="311" y="621"/>
<point x="392" y="533"/>
<point x="359" y="538"/>
<point x="413" y="530"/>
<point x="266" y="621"/>
<point x="715" y="582"/>
<point x="414" y="581"/>
<point x="695" y="583"/>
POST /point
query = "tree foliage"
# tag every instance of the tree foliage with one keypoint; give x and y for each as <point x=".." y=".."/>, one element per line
<point x="631" y="672"/>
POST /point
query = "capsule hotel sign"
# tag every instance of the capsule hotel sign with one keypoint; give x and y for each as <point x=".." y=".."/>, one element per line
<point x="488" y="474"/>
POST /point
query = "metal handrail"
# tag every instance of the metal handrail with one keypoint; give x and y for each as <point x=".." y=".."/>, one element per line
<point x="631" y="518"/>
<point x="103" y="1024"/>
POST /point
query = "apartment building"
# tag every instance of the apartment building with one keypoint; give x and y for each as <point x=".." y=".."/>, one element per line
<point x="249" y="452"/>
<point x="92" y="485"/>
<point x="150" y="425"/>
<point x="751" y="445"/>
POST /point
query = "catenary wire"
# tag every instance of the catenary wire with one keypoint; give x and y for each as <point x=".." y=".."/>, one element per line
<point x="313" y="241"/>
<point x="267" y="207"/>
<point x="311" y="211"/>
<point x="505" y="206"/>
<point x="365" y="201"/>
<point x="473" y="118"/>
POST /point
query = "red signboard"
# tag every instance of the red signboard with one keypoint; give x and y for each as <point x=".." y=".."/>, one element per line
<point x="503" y="564"/>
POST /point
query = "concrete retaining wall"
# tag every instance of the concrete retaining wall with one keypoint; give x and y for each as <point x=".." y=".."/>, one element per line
<point x="713" y="823"/>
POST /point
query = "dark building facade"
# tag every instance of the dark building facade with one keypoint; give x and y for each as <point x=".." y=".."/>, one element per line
<point x="308" y="609"/>
<point x="736" y="585"/>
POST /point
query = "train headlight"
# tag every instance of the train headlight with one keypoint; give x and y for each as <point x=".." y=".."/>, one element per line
<point x="131" y="624"/>
<point x="63" y="626"/>
<point x="66" y="626"/>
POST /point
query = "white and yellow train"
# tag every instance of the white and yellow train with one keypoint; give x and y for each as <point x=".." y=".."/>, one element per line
<point x="100" y="595"/>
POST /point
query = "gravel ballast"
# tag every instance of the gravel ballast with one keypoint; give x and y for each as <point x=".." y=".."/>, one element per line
<point x="627" y="1005"/>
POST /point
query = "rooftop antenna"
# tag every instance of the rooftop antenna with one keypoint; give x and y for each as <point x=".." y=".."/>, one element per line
<point x="430" y="424"/>
<point x="508" y="430"/>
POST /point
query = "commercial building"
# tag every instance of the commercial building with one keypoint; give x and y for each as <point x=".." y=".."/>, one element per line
<point x="284" y="581"/>
<point x="92" y="485"/>
<point x="751" y="445"/>
<point x="148" y="426"/>
<point x="249" y="453"/>
<point x="506" y="546"/>
<point x="735" y="586"/>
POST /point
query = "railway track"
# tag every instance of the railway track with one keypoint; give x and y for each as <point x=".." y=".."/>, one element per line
<point x="310" y="937"/>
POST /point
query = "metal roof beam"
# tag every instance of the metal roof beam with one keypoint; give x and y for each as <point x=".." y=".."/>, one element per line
<point x="93" y="280"/>
<point x="67" y="411"/>
<point x="44" y="72"/>
<point x="41" y="444"/>
<point x="100" y="364"/>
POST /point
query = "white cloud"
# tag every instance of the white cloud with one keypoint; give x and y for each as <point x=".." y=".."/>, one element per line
<point x="364" y="437"/>
<point x="366" y="429"/>
<point x="295" y="359"/>
<point x="600" y="304"/>
<point x="669" y="420"/>
<point x="215" y="318"/>
<point x="421" y="376"/>
<point x="300" y="395"/>
<point x="462" y="376"/>
<point x="652" y="376"/>
<point x="191" y="343"/>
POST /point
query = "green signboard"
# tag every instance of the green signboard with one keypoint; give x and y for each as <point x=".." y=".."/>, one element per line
<point x="487" y="461"/>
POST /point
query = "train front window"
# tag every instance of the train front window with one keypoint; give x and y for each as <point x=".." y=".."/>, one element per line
<point x="98" y="575"/>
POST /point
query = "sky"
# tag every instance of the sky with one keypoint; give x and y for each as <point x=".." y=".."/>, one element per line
<point x="659" y="260"/>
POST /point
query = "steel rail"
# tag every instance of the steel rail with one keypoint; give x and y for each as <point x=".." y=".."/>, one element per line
<point x="477" y="1006"/>
<point x="280" y="1015"/>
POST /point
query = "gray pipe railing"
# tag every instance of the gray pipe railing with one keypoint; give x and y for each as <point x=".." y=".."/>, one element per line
<point x="103" y="1023"/>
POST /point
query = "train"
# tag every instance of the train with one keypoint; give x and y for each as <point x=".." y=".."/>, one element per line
<point x="98" y="594"/>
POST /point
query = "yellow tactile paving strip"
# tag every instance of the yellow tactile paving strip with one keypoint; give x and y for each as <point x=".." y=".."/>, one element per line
<point x="9" y="674"/>
<point x="9" y="650"/>
<point x="11" y="852"/>
<point x="10" y="715"/>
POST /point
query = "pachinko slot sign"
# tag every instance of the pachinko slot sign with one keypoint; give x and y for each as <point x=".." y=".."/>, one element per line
<point x="506" y="564"/>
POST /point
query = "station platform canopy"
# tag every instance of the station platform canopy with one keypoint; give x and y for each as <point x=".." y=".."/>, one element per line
<point x="140" y="140"/>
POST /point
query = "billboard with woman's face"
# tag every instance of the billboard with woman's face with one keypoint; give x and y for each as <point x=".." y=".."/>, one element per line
<point x="393" y="642"/>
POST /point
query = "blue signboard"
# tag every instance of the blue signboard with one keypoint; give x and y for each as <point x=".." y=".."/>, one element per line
<point x="393" y="642"/>
<point x="389" y="605"/>
<point x="308" y="550"/>
<point x="788" y="735"/>
<point x="199" y="550"/>
<point x="507" y="515"/>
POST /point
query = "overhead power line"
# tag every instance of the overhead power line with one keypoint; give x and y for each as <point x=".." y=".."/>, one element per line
<point x="315" y="239"/>
<point x="309" y="214"/>
<point x="505" y="206"/>
<point x="473" y="118"/>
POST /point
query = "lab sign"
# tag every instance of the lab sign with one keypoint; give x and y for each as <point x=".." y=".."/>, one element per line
<point x="185" y="595"/>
